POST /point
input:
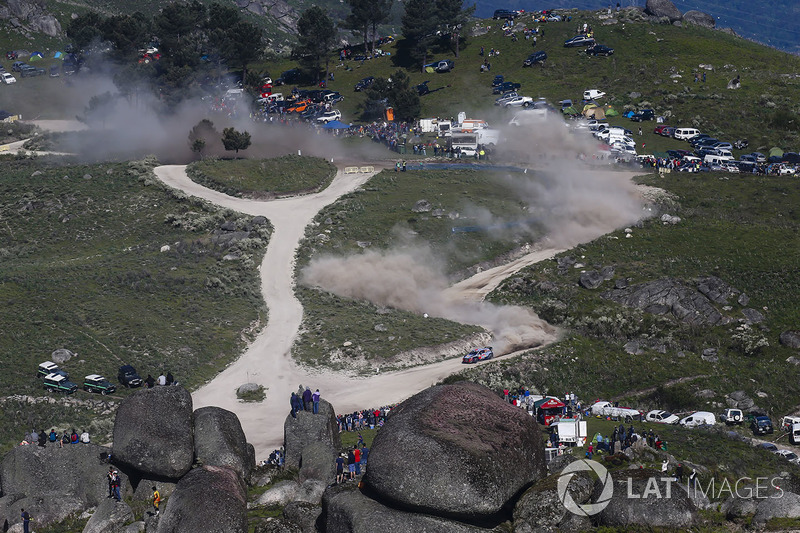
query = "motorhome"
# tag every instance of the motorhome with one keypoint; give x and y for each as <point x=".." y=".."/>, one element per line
<point x="464" y="144"/>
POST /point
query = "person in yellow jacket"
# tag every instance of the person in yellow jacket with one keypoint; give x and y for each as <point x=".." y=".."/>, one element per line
<point x="156" y="500"/>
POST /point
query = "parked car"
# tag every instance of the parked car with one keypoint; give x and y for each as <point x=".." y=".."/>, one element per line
<point x="768" y="446"/>
<point x="49" y="367"/>
<point x="760" y="158"/>
<point x="445" y="65"/>
<point x="8" y="78"/>
<point x="478" y="354"/>
<point x="579" y="40"/>
<point x="644" y="114"/>
<point x="364" y="83"/>
<point x="289" y="76"/>
<point x="604" y="408"/>
<point x="505" y="97"/>
<point x="761" y="425"/>
<point x="519" y="101"/>
<point x="700" y="418"/>
<point x="669" y="131"/>
<point x="29" y="71"/>
<point x="662" y="417"/>
<point x="505" y="14"/>
<point x="17" y="66"/>
<point x="329" y="116"/>
<point x="723" y="145"/>
<point x="505" y="87"/>
<point x="658" y="129"/>
<point x="534" y="58"/>
<point x="498" y="80"/>
<point x="789" y="456"/>
<point x="128" y="377"/>
<point x="599" y="50"/>
<point x="732" y="416"/>
<point x="97" y="383"/>
<point x="58" y="383"/>
<point x="553" y="18"/>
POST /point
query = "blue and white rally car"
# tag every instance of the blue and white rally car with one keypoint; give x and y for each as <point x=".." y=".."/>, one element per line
<point x="478" y="354"/>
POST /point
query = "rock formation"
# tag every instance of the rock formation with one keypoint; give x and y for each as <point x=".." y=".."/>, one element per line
<point x="699" y="18"/>
<point x="219" y="441"/>
<point x="153" y="432"/>
<point x="450" y="436"/>
<point x="309" y="428"/>
<point x="663" y="8"/>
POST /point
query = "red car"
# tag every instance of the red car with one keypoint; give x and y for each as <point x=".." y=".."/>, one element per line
<point x="660" y="129"/>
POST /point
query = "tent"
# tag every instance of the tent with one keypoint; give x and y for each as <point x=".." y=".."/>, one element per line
<point x="36" y="55"/>
<point x="628" y="114"/>
<point x="58" y="55"/>
<point x="570" y="111"/>
<point x="429" y="70"/>
<point x="548" y="410"/>
<point x="595" y="112"/>
<point x="775" y="152"/>
<point x="335" y="125"/>
<point x="611" y="112"/>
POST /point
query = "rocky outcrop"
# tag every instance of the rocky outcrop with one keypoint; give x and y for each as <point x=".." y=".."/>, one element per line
<point x="305" y="515"/>
<point x="30" y="14"/>
<point x="110" y="516"/>
<point x="675" y="512"/>
<point x="716" y="290"/>
<point x="153" y="432"/>
<point x="790" y="339"/>
<point x="663" y="8"/>
<point x="219" y="441"/>
<point x="347" y="510"/>
<point x="466" y="437"/>
<point x="308" y="428"/>
<point x="318" y="461"/>
<point x="668" y="296"/>
<point x="785" y="506"/>
<point x="283" y="492"/>
<point x="591" y="279"/>
<point x="209" y="498"/>
<point x="699" y="18"/>
<point x="540" y="508"/>
<point x="52" y="482"/>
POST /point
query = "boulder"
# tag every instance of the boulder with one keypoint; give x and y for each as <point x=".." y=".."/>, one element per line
<point x="54" y="482"/>
<point x="668" y="295"/>
<point x="208" y="498"/>
<point x="318" y="461"/>
<point x="109" y="517"/>
<point x="752" y="316"/>
<point x="304" y="514"/>
<point x="277" y="525"/>
<point x="153" y="432"/>
<point x="715" y="289"/>
<point x="283" y="492"/>
<point x="307" y="428"/>
<point x="46" y="24"/>
<point x="461" y="435"/>
<point x="541" y="509"/>
<point x="346" y="510"/>
<point x="591" y="279"/>
<point x="785" y="506"/>
<point x="790" y="339"/>
<point x="422" y="206"/>
<point x="663" y="8"/>
<point x="136" y="527"/>
<point x="245" y="388"/>
<point x="737" y="507"/>
<point x="648" y="510"/>
<point x="219" y="440"/>
<point x="61" y="356"/>
<point x="699" y="18"/>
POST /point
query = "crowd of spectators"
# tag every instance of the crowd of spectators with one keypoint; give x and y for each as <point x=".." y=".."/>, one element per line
<point x="41" y="438"/>
<point x="367" y="418"/>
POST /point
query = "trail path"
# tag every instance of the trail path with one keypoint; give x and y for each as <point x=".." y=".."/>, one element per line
<point x="268" y="360"/>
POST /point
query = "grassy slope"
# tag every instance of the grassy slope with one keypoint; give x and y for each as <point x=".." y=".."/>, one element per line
<point x="81" y="268"/>
<point x="742" y="229"/>
<point x="284" y="175"/>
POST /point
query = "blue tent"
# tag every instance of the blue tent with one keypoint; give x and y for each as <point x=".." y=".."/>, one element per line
<point x="335" y="125"/>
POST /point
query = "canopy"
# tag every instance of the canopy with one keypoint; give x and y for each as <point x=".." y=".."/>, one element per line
<point x="549" y="403"/>
<point x="775" y="152"/>
<point x="335" y="125"/>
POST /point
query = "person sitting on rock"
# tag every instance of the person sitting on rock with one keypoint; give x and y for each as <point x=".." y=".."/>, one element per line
<point x="74" y="437"/>
<point x="149" y="381"/>
<point x="64" y="439"/>
<point x="170" y="379"/>
<point x="42" y="438"/>
<point x="53" y="436"/>
<point x="84" y="437"/>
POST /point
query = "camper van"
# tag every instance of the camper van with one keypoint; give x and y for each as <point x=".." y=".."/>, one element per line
<point x="592" y="94"/>
<point x="443" y="128"/>
<point x="465" y="144"/>
<point x="684" y="134"/>
<point x="469" y="125"/>
<point x="717" y="159"/>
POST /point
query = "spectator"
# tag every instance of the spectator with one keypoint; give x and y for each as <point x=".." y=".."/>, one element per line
<point x="53" y="436"/>
<point x="315" y="400"/>
<point x="84" y="437"/>
<point x="26" y="521"/>
<point x="65" y="439"/>
<point x="357" y="459"/>
<point x="351" y="464"/>
<point x="162" y="380"/>
<point x="42" y="439"/>
<point x="340" y="468"/>
<point x="156" y="500"/>
<point x="170" y="379"/>
<point x="149" y="382"/>
<point x="307" y="399"/>
<point x="74" y="437"/>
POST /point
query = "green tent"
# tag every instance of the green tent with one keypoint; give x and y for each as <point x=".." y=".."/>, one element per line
<point x="775" y="152"/>
<point x="611" y="112"/>
<point x="429" y="70"/>
<point x="570" y="111"/>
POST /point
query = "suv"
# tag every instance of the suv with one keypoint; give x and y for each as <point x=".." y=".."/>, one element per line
<point x="29" y="71"/>
<point x="445" y="65"/>
<point x="536" y="57"/>
<point x="58" y="383"/>
<point x="732" y="416"/>
<point x="505" y="14"/>
<point x="364" y="83"/>
<point x="644" y="114"/>
<point x="128" y="377"/>
<point x="97" y="383"/>
<point x="761" y="425"/>
<point x="47" y="368"/>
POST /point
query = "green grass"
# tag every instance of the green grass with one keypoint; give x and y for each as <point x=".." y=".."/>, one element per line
<point x="81" y="267"/>
<point x="742" y="229"/>
<point x="263" y="178"/>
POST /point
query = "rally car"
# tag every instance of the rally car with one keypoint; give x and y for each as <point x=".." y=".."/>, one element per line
<point x="478" y="354"/>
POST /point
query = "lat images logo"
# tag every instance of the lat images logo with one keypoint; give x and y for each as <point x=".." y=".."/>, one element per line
<point x="585" y="509"/>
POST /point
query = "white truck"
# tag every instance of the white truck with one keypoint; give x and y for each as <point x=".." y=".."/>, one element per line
<point x="602" y="408"/>
<point x="464" y="144"/>
<point x="571" y="432"/>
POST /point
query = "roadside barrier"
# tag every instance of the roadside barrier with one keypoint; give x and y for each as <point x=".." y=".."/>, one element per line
<point x="356" y="170"/>
<point x="367" y="169"/>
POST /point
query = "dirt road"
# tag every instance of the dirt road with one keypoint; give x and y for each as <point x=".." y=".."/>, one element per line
<point x="268" y="360"/>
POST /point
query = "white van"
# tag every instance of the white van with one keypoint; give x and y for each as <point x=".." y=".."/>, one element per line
<point x="591" y="94"/>
<point x="716" y="159"/>
<point x="700" y="418"/>
<point x="684" y="134"/>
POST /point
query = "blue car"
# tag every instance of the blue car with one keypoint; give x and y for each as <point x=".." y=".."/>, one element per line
<point x="478" y="354"/>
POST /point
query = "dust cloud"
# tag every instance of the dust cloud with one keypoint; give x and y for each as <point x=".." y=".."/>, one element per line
<point x="572" y="195"/>
<point x="410" y="278"/>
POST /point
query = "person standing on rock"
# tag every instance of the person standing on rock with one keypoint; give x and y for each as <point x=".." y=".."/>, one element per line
<point x="679" y="473"/>
<point x="115" y="483"/>
<point x="293" y="403"/>
<point x="156" y="500"/>
<point x="339" y="469"/>
<point x="110" y="479"/>
<point x="357" y="459"/>
<point x="364" y="454"/>
<point x="351" y="464"/>
<point x="315" y="401"/>
<point x="26" y="521"/>
<point x="307" y="399"/>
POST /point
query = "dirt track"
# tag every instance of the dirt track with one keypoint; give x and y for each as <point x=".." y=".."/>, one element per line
<point x="268" y="360"/>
